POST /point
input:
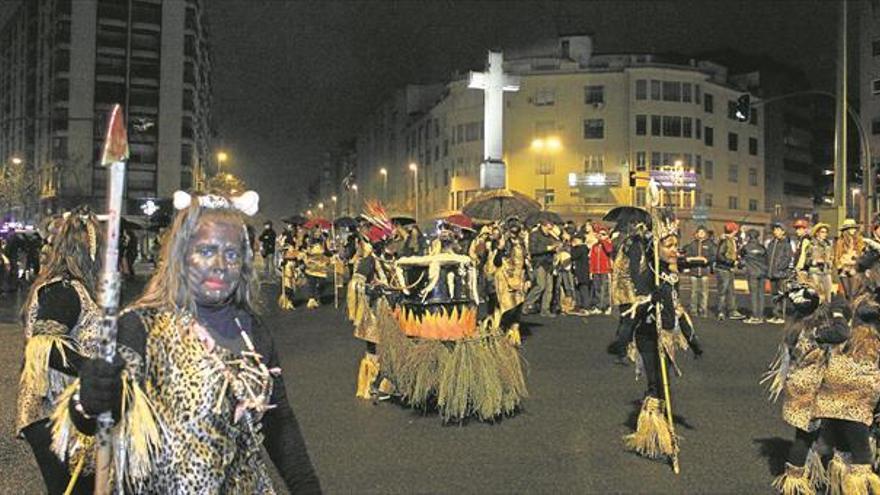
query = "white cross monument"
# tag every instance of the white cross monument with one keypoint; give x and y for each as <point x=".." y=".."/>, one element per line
<point x="494" y="82"/>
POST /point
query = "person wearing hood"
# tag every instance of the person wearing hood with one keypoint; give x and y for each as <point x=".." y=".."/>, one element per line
<point x="754" y="258"/>
<point x="779" y="262"/>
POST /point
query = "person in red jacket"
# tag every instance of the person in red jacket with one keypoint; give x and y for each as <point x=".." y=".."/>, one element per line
<point x="600" y="272"/>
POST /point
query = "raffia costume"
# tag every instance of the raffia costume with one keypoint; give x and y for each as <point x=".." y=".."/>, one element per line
<point x="508" y="270"/>
<point x="40" y="384"/>
<point x="291" y="270"/>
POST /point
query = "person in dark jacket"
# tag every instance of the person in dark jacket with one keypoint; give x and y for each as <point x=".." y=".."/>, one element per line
<point x="754" y="260"/>
<point x="780" y="261"/>
<point x="580" y="258"/>
<point x="542" y="248"/>
<point x="267" y="249"/>
<point x="700" y="254"/>
<point x="726" y="261"/>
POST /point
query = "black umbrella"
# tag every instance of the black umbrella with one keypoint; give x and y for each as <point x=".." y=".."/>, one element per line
<point x="295" y="220"/>
<point x="499" y="204"/>
<point x="403" y="221"/>
<point x="543" y="216"/>
<point x="344" y="222"/>
<point x="628" y="215"/>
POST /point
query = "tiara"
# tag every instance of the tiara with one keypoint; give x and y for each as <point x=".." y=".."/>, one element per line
<point x="247" y="203"/>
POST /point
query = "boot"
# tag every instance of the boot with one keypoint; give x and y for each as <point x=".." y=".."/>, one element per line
<point x="369" y="370"/>
<point x="858" y="479"/>
<point x="284" y="302"/>
<point x="513" y="335"/>
<point x="652" y="437"/>
<point x="794" y="481"/>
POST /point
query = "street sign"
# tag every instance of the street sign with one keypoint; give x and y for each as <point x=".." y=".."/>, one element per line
<point x="674" y="179"/>
<point x="596" y="179"/>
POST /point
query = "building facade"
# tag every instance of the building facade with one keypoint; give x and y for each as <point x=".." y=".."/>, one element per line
<point x="869" y="78"/>
<point x="64" y="63"/>
<point x="582" y="135"/>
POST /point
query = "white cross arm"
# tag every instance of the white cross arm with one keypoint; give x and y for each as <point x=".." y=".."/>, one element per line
<point x="511" y="83"/>
<point x="478" y="80"/>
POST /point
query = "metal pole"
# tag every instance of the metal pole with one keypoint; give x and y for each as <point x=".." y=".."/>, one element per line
<point x="840" y="175"/>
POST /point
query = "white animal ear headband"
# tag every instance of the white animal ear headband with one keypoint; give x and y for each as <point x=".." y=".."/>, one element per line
<point x="248" y="203"/>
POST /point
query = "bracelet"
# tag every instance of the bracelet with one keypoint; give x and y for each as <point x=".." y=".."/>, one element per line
<point x="77" y="405"/>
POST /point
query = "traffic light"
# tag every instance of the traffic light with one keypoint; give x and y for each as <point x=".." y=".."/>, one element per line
<point x="632" y="179"/>
<point x="743" y="108"/>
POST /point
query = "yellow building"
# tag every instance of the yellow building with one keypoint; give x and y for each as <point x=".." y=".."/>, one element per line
<point x="581" y="127"/>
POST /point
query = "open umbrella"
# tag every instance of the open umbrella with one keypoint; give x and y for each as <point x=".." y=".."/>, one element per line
<point x="628" y="215"/>
<point x="295" y="220"/>
<point x="403" y="221"/>
<point x="345" y="222"/>
<point x="460" y="220"/>
<point x="321" y="223"/>
<point x="499" y="204"/>
<point x="543" y="216"/>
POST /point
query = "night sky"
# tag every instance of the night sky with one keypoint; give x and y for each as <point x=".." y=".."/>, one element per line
<point x="292" y="79"/>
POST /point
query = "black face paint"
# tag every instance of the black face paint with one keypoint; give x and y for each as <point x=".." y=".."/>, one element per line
<point x="213" y="262"/>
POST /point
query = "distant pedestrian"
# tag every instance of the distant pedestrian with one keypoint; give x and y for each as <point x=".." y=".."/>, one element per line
<point x="267" y="249"/>
<point x="802" y="236"/>
<point x="754" y="260"/>
<point x="700" y="254"/>
<point x="726" y="261"/>
<point x="780" y="261"/>
<point x="600" y="273"/>
<point x="580" y="258"/>
<point x="542" y="247"/>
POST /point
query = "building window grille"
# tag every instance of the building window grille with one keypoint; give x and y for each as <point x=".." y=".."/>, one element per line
<point x="641" y="125"/>
<point x="641" y="89"/>
<point x="733" y="202"/>
<point x="732" y="173"/>
<point x="671" y="91"/>
<point x="732" y="141"/>
<point x="594" y="95"/>
<point x="594" y="129"/>
<point x="753" y="146"/>
<point x="708" y="103"/>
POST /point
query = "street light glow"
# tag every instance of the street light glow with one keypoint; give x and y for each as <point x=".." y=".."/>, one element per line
<point x="320" y="206"/>
<point x="309" y="212"/>
<point x="383" y="171"/>
<point x="537" y="144"/>
<point x="222" y="156"/>
<point x="333" y="198"/>
<point x="554" y="144"/>
<point x="16" y="160"/>
<point x="856" y="191"/>
<point x="413" y="167"/>
<point x="354" y="187"/>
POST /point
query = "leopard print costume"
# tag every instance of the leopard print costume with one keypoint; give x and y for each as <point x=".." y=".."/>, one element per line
<point x="35" y="402"/>
<point x="851" y="385"/>
<point x="205" y="449"/>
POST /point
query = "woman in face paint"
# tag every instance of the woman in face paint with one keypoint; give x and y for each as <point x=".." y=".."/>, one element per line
<point x="207" y="366"/>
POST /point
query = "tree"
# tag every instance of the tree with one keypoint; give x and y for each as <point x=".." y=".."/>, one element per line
<point x="17" y="185"/>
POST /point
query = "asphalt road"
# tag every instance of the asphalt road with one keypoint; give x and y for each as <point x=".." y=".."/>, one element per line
<point x="567" y="438"/>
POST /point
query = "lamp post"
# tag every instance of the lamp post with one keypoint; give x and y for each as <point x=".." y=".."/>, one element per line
<point x="415" y="170"/>
<point x="384" y="173"/>
<point x="333" y="198"/>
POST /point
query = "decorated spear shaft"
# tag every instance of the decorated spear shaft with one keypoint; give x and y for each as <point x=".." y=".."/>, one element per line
<point x="661" y="351"/>
<point x="114" y="156"/>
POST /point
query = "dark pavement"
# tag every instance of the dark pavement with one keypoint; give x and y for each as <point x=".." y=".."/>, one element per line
<point x="567" y="439"/>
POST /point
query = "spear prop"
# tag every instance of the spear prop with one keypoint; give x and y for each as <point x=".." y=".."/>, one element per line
<point x="114" y="156"/>
<point x="661" y="351"/>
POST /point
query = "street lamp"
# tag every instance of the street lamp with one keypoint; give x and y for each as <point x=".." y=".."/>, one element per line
<point x="221" y="157"/>
<point x="545" y="146"/>
<point x="384" y="173"/>
<point x="16" y="160"/>
<point x="415" y="170"/>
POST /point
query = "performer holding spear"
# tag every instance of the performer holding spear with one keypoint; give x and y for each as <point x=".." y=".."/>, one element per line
<point x="659" y="323"/>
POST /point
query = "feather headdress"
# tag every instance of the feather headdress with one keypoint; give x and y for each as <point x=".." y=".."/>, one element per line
<point x="377" y="216"/>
